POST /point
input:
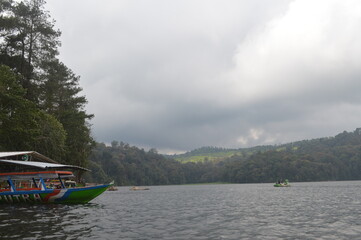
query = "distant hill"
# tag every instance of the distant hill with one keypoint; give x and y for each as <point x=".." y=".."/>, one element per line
<point x="322" y="159"/>
<point x="129" y="165"/>
<point x="217" y="154"/>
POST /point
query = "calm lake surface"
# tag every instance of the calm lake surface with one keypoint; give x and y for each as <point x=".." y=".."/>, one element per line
<point x="322" y="210"/>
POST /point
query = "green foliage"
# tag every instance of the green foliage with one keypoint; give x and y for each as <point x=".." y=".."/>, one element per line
<point x="97" y="174"/>
<point x="217" y="154"/>
<point x="47" y="109"/>
<point x="324" y="159"/>
<point x="51" y="137"/>
<point x="22" y="124"/>
<point x="29" y="39"/>
<point x="334" y="158"/>
<point x="17" y="115"/>
<point x="60" y="97"/>
<point x="129" y="165"/>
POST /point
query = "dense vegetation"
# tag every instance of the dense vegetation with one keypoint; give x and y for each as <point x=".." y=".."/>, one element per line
<point x="324" y="159"/>
<point x="129" y="165"/>
<point x="40" y="105"/>
<point x="333" y="158"/>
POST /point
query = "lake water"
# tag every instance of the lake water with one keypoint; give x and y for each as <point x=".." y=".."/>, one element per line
<point x="323" y="210"/>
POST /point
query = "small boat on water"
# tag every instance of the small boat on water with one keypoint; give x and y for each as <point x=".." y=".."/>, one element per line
<point x="112" y="188"/>
<point x="42" y="182"/>
<point x="134" y="188"/>
<point x="284" y="183"/>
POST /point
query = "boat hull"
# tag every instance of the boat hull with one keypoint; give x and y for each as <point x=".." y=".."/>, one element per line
<point x="64" y="196"/>
<point x="281" y="185"/>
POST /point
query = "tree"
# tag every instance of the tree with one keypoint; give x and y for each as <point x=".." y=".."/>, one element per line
<point x="28" y="39"/>
<point x="50" y="138"/>
<point x="23" y="125"/>
<point x="60" y="97"/>
<point x="15" y="113"/>
<point x="29" y="46"/>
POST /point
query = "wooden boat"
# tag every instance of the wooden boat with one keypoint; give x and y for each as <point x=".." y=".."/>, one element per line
<point x="134" y="188"/>
<point x="112" y="188"/>
<point x="50" y="185"/>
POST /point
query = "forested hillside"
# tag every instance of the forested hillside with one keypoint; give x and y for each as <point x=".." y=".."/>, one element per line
<point x="129" y="165"/>
<point x="323" y="159"/>
<point x="41" y="107"/>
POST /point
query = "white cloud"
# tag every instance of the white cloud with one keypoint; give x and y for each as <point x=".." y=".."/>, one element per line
<point x="314" y="45"/>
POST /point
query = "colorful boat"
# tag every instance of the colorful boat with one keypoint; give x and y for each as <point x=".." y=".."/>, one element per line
<point x="50" y="185"/>
<point x="282" y="184"/>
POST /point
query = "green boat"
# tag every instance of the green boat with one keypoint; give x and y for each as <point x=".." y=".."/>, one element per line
<point x="285" y="183"/>
<point x="43" y="182"/>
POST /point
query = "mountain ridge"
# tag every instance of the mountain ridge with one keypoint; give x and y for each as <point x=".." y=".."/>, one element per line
<point x="211" y="153"/>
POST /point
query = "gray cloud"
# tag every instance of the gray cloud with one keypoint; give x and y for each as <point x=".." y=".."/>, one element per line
<point x="176" y="75"/>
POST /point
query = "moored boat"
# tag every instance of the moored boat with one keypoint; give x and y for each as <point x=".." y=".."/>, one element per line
<point x="43" y="182"/>
<point x="134" y="188"/>
<point x="112" y="188"/>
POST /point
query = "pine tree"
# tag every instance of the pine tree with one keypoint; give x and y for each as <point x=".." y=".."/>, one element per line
<point x="22" y="125"/>
<point x="29" y="46"/>
<point x="29" y="39"/>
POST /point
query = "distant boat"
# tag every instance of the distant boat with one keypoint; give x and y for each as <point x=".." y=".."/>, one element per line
<point x="112" y="188"/>
<point x="134" y="188"/>
<point x="282" y="184"/>
<point x="41" y="182"/>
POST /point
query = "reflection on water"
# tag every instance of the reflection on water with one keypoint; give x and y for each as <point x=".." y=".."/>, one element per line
<point x="45" y="221"/>
<point x="328" y="210"/>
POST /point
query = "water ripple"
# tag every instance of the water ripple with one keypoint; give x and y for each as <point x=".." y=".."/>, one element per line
<point x="328" y="210"/>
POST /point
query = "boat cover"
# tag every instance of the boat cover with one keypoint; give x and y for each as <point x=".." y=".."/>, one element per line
<point x="43" y="165"/>
<point x="36" y="175"/>
<point x="30" y="153"/>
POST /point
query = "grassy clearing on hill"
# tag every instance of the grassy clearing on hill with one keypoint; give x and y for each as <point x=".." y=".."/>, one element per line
<point x="218" y="154"/>
<point x="210" y="156"/>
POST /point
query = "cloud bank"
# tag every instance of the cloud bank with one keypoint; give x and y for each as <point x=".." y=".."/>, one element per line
<point x="177" y="75"/>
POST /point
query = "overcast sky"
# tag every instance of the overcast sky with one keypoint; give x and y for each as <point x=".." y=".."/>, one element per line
<point x="176" y="75"/>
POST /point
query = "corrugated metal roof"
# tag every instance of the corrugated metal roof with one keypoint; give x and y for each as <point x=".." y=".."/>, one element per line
<point x="36" y="175"/>
<point x="42" y="165"/>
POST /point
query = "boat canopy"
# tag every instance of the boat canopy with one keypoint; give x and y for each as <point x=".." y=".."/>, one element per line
<point x="36" y="175"/>
<point x="42" y="165"/>
<point x="26" y="156"/>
